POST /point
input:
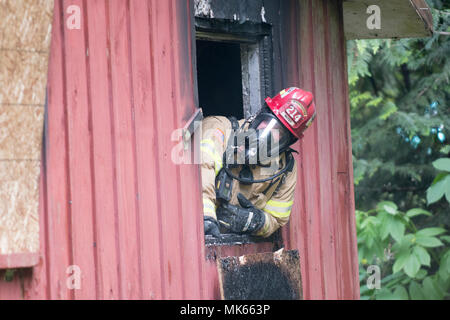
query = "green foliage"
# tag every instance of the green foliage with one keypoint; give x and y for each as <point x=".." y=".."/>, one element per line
<point x="414" y="262"/>
<point x="399" y="99"/>
<point x="441" y="184"/>
<point x="400" y="112"/>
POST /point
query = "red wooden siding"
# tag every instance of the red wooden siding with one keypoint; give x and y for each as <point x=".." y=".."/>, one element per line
<point x="324" y="227"/>
<point x="113" y="202"/>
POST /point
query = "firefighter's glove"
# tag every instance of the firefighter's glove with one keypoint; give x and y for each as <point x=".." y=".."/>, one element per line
<point x="211" y="227"/>
<point x="243" y="219"/>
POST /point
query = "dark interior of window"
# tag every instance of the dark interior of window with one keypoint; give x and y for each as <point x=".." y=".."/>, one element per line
<point x="219" y="77"/>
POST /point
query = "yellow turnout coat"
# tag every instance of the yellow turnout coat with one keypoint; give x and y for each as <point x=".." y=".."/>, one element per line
<point x="275" y="201"/>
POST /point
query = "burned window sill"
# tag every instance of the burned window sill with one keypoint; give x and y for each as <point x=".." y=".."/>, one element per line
<point x="230" y="239"/>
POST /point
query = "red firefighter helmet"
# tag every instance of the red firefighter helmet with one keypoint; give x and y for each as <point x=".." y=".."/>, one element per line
<point x="295" y="108"/>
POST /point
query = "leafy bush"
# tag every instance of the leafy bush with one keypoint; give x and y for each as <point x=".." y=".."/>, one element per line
<point x="441" y="184"/>
<point x="414" y="261"/>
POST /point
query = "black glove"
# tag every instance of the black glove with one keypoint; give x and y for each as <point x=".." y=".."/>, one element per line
<point x="211" y="226"/>
<point x="244" y="219"/>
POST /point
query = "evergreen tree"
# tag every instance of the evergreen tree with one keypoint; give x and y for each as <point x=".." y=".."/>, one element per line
<point x="400" y="112"/>
<point x="400" y="107"/>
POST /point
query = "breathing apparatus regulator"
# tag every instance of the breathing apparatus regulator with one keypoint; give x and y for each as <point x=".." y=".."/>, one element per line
<point x="251" y="150"/>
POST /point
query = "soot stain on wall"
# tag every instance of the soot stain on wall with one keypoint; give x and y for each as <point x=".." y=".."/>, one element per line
<point x="257" y="281"/>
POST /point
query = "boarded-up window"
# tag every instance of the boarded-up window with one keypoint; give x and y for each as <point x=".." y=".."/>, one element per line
<point x="25" y="29"/>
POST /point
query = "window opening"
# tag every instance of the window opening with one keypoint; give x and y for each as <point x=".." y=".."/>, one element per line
<point x="234" y="76"/>
<point x="219" y="78"/>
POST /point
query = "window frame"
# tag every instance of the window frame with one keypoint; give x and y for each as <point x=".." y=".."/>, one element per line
<point x="251" y="36"/>
<point x="256" y="37"/>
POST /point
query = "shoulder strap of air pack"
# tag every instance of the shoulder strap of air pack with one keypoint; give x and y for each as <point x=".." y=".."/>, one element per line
<point x="232" y="139"/>
<point x="234" y="123"/>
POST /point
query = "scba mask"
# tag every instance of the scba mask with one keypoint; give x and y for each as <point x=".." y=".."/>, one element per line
<point x="264" y="139"/>
<point x="271" y="136"/>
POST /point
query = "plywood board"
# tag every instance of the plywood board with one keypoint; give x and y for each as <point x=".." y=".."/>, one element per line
<point x="21" y="132"/>
<point x="19" y="195"/>
<point x="25" y="32"/>
<point x="261" y="276"/>
<point x="26" y="24"/>
<point x="23" y="77"/>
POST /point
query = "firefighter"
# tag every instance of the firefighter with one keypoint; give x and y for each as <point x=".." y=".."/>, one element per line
<point x="248" y="169"/>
